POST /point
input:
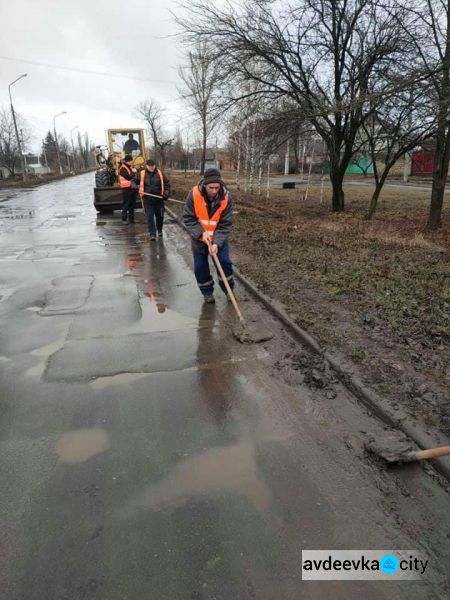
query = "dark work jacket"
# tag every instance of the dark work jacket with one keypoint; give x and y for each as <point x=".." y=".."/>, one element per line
<point x="152" y="185"/>
<point x="194" y="228"/>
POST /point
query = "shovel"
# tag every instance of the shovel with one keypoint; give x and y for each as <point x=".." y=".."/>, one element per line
<point x="242" y="333"/>
<point x="395" y="449"/>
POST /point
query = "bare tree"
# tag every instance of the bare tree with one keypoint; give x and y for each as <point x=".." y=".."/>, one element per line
<point x="9" y="150"/>
<point x="201" y="77"/>
<point x="400" y="124"/>
<point x="153" y="114"/>
<point x="327" y="56"/>
<point x="432" y="43"/>
<point x="86" y="150"/>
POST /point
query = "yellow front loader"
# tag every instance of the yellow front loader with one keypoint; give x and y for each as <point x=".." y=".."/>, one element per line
<point x="121" y="142"/>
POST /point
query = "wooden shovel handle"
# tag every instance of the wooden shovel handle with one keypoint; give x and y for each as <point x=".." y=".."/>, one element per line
<point x="433" y="452"/>
<point x="152" y="195"/>
<point x="160" y="197"/>
<point x="226" y="284"/>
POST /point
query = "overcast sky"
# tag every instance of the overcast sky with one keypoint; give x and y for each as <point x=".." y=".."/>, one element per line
<point x="131" y="38"/>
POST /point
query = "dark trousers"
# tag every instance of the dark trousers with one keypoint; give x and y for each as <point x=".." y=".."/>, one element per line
<point x="128" y="202"/>
<point x="154" y="212"/>
<point x="203" y="274"/>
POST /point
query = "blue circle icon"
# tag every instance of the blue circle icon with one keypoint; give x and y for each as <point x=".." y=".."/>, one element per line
<point x="389" y="564"/>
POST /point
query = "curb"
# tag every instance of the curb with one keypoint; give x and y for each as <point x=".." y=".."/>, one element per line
<point x="367" y="396"/>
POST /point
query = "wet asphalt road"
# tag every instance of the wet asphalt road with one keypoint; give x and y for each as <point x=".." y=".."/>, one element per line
<point x="146" y="454"/>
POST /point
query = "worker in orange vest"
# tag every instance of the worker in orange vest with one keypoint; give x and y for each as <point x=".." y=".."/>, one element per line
<point x="207" y="215"/>
<point x="127" y="181"/>
<point x="154" y="189"/>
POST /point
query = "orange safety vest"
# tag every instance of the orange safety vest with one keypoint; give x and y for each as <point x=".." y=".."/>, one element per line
<point x="141" y="184"/>
<point x="124" y="183"/>
<point x="201" y="211"/>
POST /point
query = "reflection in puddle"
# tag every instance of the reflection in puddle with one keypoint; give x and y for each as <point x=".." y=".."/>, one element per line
<point x="79" y="446"/>
<point x="224" y="469"/>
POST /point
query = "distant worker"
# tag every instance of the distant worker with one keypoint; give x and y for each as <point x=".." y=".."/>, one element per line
<point x="153" y="181"/>
<point x="131" y="145"/>
<point x="207" y="215"/>
<point x="127" y="177"/>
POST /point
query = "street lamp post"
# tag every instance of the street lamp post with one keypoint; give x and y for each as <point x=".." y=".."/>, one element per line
<point x="73" y="147"/>
<point x="22" y="157"/>
<point x="56" y="140"/>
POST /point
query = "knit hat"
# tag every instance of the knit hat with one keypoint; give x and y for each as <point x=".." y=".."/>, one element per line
<point x="212" y="176"/>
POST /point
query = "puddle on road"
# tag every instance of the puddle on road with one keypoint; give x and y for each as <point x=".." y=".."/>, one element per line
<point x="7" y="293"/>
<point x="44" y="352"/>
<point x="157" y="317"/>
<point x="80" y="445"/>
<point x="224" y="469"/>
<point x="121" y="379"/>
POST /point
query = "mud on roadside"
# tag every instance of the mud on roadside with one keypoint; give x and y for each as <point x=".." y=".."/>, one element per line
<point x="375" y="293"/>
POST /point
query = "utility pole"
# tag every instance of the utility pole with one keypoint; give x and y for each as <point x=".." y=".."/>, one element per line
<point x="56" y="140"/>
<point x="24" y="166"/>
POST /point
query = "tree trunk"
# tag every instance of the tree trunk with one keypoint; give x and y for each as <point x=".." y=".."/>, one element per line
<point x="440" y="172"/>
<point x="376" y="194"/>
<point x="286" y="158"/>
<point x="247" y="143"/>
<point x="303" y="160"/>
<point x="252" y="159"/>
<point x="442" y="153"/>
<point x="155" y="148"/>
<point x="204" y="140"/>
<point x="296" y="141"/>
<point x="238" y="166"/>
<point x="337" y="178"/>
<point x="260" y="174"/>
